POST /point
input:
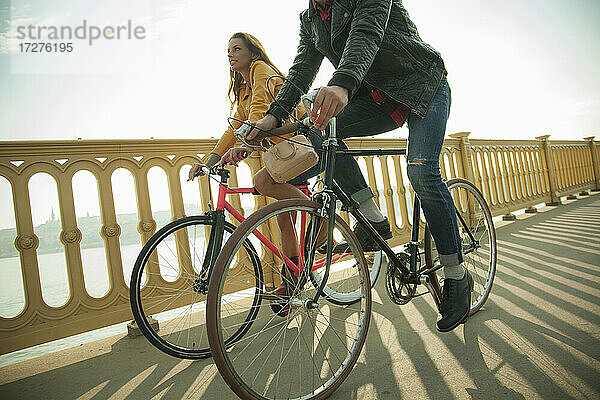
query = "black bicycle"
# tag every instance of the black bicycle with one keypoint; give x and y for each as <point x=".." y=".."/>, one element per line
<point x="307" y="352"/>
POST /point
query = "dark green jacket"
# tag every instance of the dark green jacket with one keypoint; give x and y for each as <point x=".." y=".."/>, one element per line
<point x="371" y="41"/>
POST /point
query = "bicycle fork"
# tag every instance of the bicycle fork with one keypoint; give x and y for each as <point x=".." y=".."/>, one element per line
<point x="215" y="241"/>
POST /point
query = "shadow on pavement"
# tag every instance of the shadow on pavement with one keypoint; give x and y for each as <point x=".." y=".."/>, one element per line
<point x="537" y="336"/>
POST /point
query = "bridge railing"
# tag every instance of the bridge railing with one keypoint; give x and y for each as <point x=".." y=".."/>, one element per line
<point x="511" y="174"/>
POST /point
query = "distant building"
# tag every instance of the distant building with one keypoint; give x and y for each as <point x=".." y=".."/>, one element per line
<point x="49" y="232"/>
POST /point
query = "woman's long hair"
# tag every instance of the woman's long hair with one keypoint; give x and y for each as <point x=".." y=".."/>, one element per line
<point x="259" y="53"/>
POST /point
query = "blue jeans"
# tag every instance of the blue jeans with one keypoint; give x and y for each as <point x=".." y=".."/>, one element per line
<point x="363" y="117"/>
<point x="425" y="141"/>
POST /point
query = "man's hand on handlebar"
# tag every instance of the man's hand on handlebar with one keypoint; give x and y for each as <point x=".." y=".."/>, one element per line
<point x="266" y="123"/>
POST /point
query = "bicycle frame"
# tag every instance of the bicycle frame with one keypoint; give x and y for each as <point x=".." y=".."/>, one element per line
<point x="218" y="216"/>
<point x="332" y="192"/>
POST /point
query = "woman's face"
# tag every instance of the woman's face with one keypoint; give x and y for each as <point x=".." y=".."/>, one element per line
<point x="239" y="55"/>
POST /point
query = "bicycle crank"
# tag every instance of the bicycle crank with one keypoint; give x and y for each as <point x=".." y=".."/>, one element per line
<point x="398" y="291"/>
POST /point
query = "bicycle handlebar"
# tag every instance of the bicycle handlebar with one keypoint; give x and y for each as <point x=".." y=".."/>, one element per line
<point x="204" y="170"/>
<point x="246" y="127"/>
<point x="283" y="130"/>
<point x="306" y="100"/>
<point x="242" y="154"/>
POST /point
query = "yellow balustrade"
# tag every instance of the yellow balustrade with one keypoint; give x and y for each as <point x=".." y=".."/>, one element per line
<point x="511" y="174"/>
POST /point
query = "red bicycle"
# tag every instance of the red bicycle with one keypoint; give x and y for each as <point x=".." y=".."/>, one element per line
<point x="169" y="282"/>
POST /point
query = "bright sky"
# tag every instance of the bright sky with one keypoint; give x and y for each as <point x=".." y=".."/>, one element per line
<point x="517" y="68"/>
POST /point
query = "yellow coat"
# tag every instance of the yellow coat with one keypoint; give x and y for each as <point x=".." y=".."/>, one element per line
<point x="254" y="101"/>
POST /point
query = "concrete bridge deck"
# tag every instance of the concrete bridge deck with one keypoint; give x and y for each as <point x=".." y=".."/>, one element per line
<point x="537" y="337"/>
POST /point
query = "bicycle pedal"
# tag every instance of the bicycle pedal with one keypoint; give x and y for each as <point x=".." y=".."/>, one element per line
<point x="280" y="309"/>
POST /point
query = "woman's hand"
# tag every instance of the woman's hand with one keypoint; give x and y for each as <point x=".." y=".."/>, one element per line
<point x="195" y="171"/>
<point x="234" y="155"/>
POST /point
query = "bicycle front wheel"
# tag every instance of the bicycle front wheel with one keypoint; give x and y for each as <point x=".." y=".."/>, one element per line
<point x="306" y="350"/>
<point x="478" y="238"/>
<point x="169" y="284"/>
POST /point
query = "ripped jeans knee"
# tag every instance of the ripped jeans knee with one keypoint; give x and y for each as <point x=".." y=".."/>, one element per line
<point x="422" y="174"/>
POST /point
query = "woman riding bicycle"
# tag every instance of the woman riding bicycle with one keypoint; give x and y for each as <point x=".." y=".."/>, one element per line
<point x="250" y="92"/>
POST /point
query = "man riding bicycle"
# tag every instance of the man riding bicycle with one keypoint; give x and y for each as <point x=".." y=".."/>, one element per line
<point x="385" y="75"/>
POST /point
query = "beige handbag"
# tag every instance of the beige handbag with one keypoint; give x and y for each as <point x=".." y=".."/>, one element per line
<point x="288" y="159"/>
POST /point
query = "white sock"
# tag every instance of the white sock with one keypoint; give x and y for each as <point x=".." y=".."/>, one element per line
<point x="371" y="211"/>
<point x="454" y="272"/>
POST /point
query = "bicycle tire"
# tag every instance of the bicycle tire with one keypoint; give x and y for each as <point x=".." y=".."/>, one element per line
<point x="479" y="258"/>
<point x="298" y="354"/>
<point x="176" y="304"/>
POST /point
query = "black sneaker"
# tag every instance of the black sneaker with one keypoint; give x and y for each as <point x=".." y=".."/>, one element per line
<point x="364" y="238"/>
<point x="455" y="302"/>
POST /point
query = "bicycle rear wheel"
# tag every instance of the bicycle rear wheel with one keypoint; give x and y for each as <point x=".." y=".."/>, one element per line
<point x="168" y="285"/>
<point x="478" y="241"/>
<point x="308" y="352"/>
